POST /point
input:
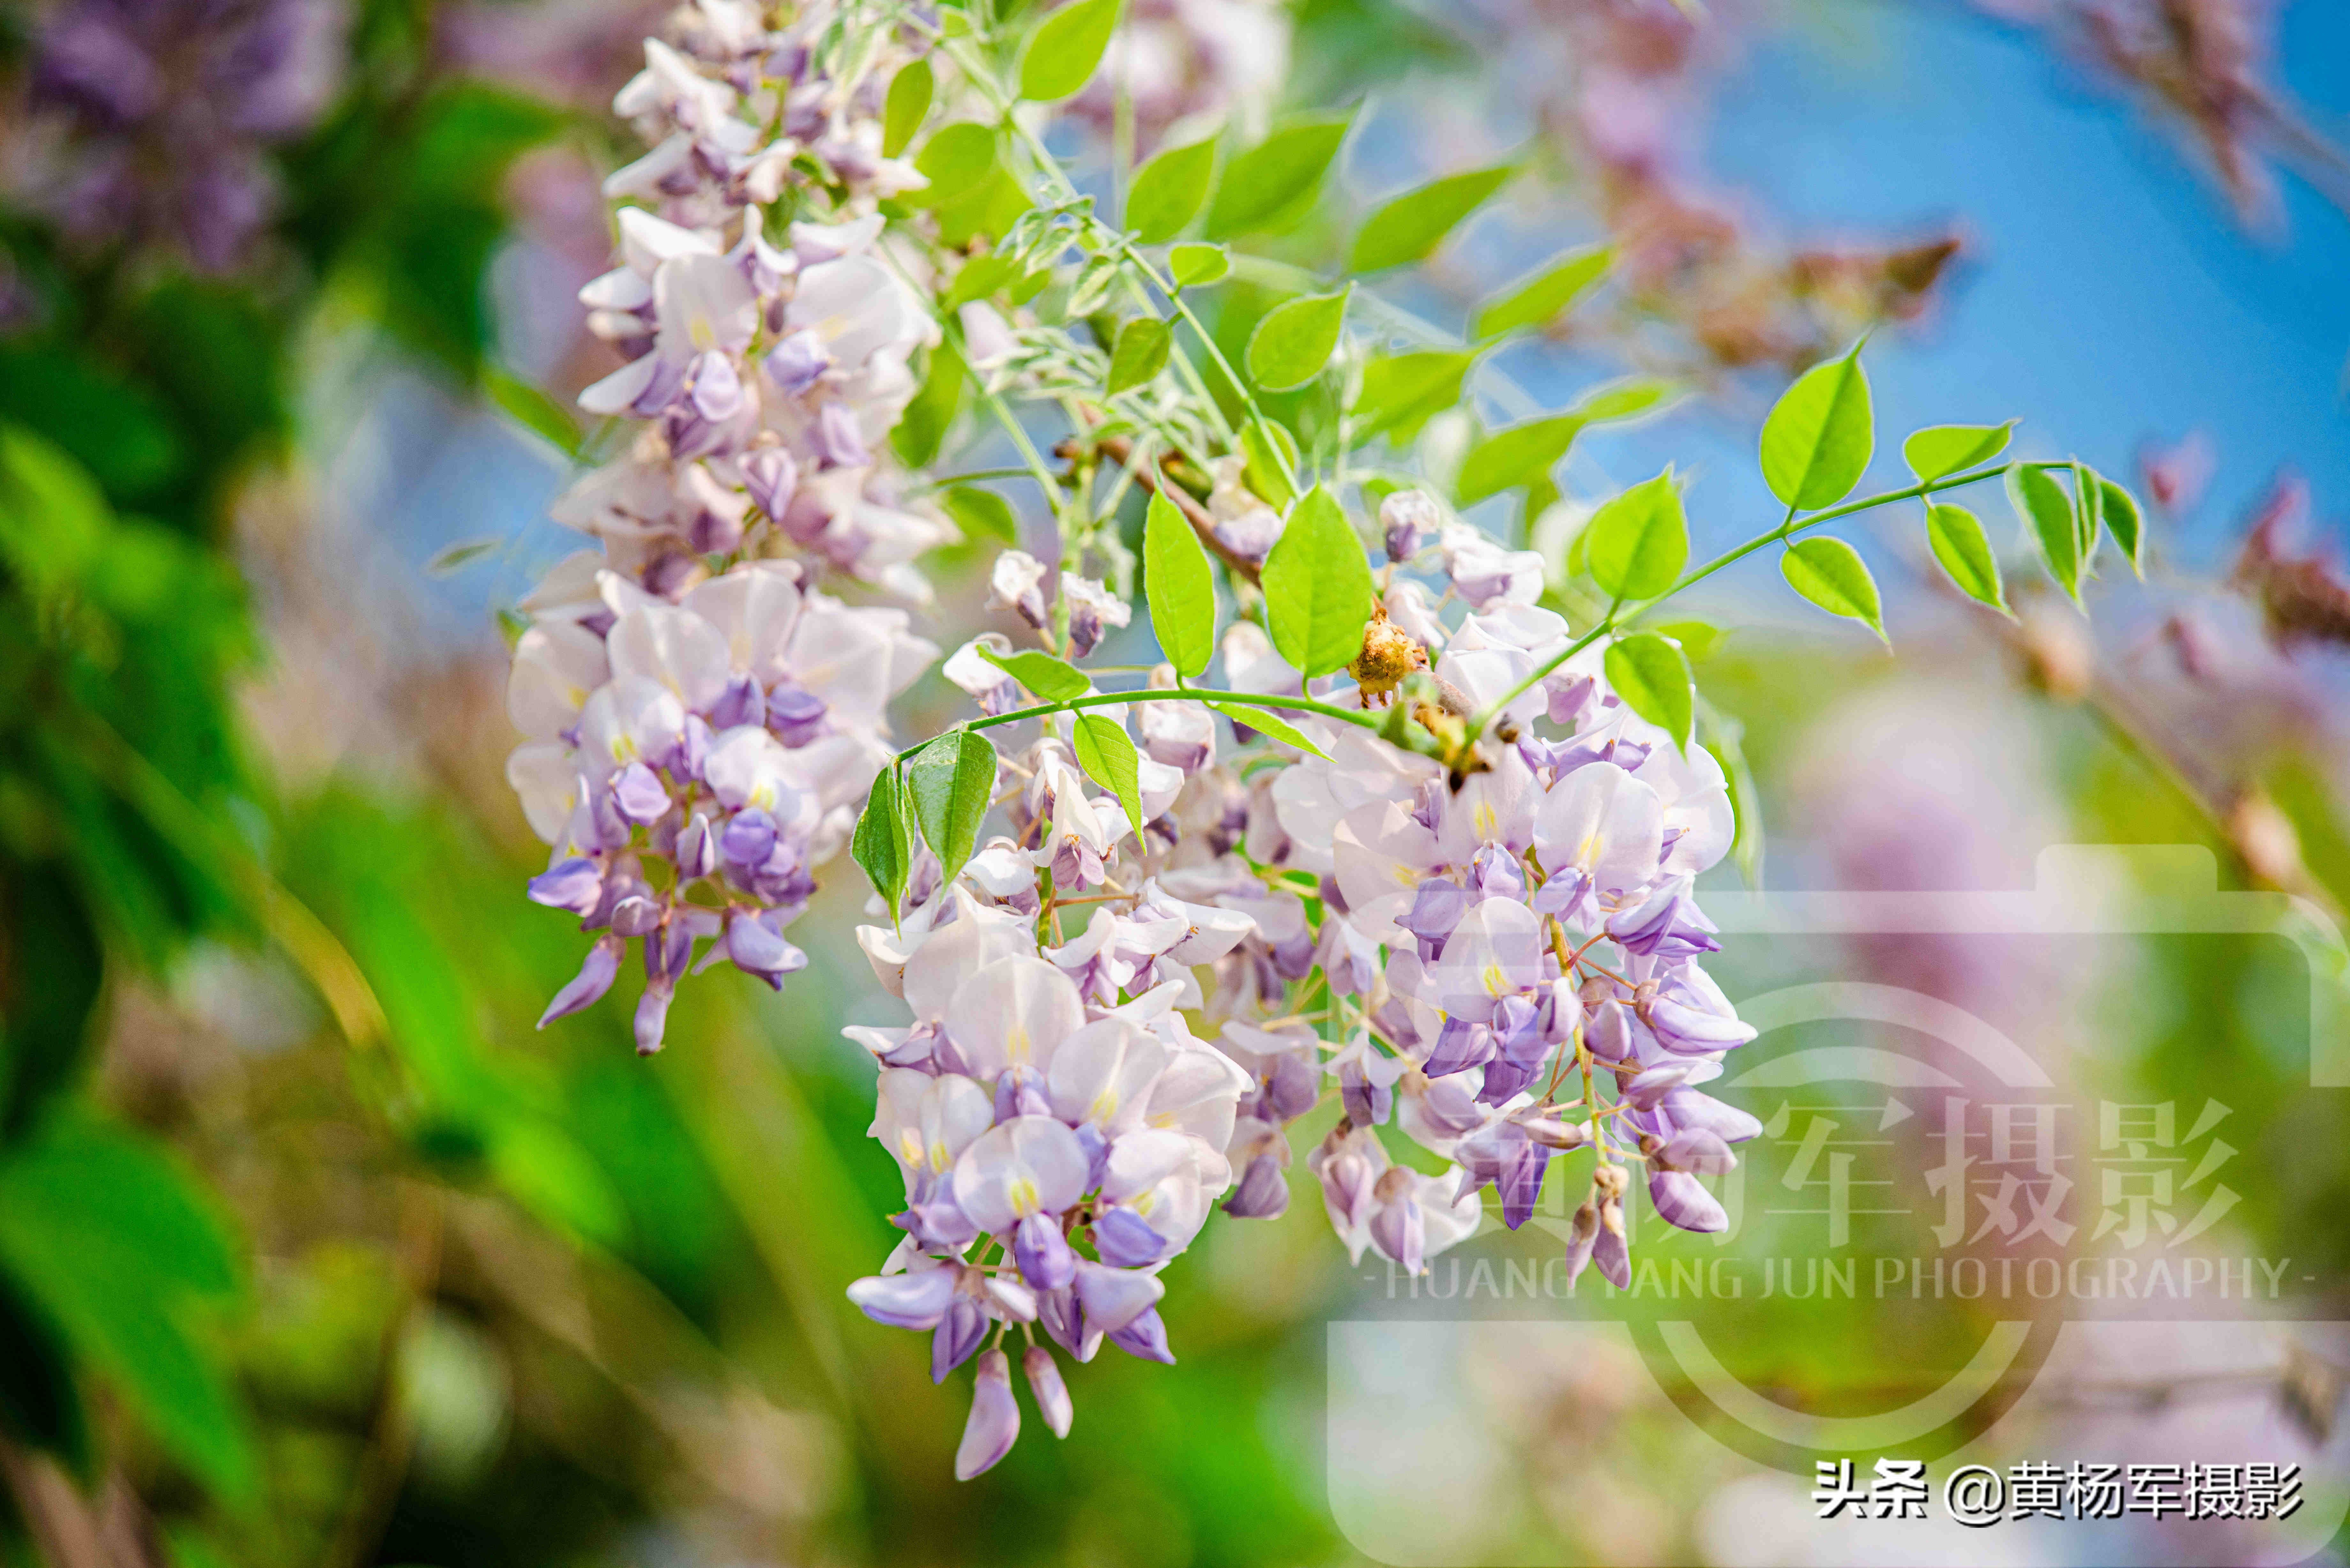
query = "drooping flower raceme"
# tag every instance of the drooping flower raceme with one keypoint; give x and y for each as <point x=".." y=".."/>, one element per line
<point x="1393" y="846"/>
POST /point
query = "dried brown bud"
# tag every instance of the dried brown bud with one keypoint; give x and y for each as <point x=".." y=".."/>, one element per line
<point x="1389" y="654"/>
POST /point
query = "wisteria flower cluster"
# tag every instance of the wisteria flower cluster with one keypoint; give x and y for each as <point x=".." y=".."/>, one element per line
<point x="1419" y="864"/>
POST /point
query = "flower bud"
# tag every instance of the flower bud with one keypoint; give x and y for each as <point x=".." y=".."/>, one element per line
<point x="1045" y="1383"/>
<point x="995" y="1423"/>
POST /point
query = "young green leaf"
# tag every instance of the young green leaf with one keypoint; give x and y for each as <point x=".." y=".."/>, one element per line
<point x="1698" y="639"/>
<point x="1318" y="592"/>
<point x="1401" y="392"/>
<point x="1515" y="455"/>
<point x="1524" y="452"/>
<point x="956" y="160"/>
<point x="1168" y="191"/>
<point x="909" y="101"/>
<point x="1637" y="543"/>
<point x="1542" y="297"/>
<point x="1063" y="50"/>
<point x="2043" y="508"/>
<point x="1140" y="353"/>
<point x="982" y="512"/>
<point x="1270" y="724"/>
<point x="952" y="781"/>
<point x="1295" y="339"/>
<point x="1831" y="573"/>
<point x="1277" y="178"/>
<point x="1817" y="441"/>
<point x="1046" y="676"/>
<point x="1108" y="755"/>
<point x="1193" y="264"/>
<point x="1181" y="588"/>
<point x="1096" y="281"/>
<point x="923" y="428"/>
<point x="2124" y="521"/>
<point x="1409" y="228"/>
<point x="1271" y="457"/>
<point x="1745" y="797"/>
<point x="1625" y="399"/>
<point x="1292" y="341"/>
<point x="1960" y="545"/>
<point x="1650" y="673"/>
<point x="880" y="843"/>
<point x="2088" y="506"/>
<point x="1940" y="450"/>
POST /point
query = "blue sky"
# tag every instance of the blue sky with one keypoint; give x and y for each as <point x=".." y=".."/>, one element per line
<point x="2109" y="294"/>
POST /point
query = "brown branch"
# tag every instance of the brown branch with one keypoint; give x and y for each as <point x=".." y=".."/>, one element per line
<point x="1120" y="450"/>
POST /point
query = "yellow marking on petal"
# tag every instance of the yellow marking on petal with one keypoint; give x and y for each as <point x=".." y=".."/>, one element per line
<point x="1588" y="851"/>
<point x="1488" y="820"/>
<point x="910" y="1145"/>
<point x="1105" y="1106"/>
<point x="1163" y="1119"/>
<point x="1017" y="1046"/>
<point x="1022" y="1195"/>
<point x="1494" y="982"/>
<point x="940" y="1159"/>
<point x="1141" y="1203"/>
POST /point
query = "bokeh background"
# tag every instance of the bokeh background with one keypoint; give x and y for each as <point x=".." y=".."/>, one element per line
<point x="313" y="1253"/>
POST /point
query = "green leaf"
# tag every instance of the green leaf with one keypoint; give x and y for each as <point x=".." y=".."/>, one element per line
<point x="1195" y="264"/>
<point x="1140" y="353"/>
<point x="1107" y="753"/>
<point x="1940" y="450"/>
<point x="1831" y="573"/>
<point x="922" y="427"/>
<point x="46" y="1040"/>
<point x="1046" y="676"/>
<point x="882" y="845"/>
<point x="1637" y="543"/>
<point x="1652" y="676"/>
<point x="2124" y="521"/>
<point x="1515" y="455"/>
<point x="1318" y="592"/>
<point x="1270" y="724"/>
<point x="1522" y="453"/>
<point x="1541" y="297"/>
<point x="1697" y="638"/>
<point x="981" y="514"/>
<point x="1401" y="392"/>
<point x="980" y="278"/>
<point x="1745" y="798"/>
<point x="2087" y="513"/>
<point x="952" y="781"/>
<point x="1096" y="280"/>
<point x="1277" y="178"/>
<point x="1064" y="49"/>
<point x="115" y="1246"/>
<point x="1409" y="228"/>
<point x="909" y="101"/>
<point x="1181" y="588"/>
<point x="1626" y="400"/>
<point x="956" y="160"/>
<point x="2046" y="511"/>
<point x="1168" y="191"/>
<point x="1272" y="457"/>
<point x="1817" y="442"/>
<point x="1295" y="340"/>
<point x="1960" y="545"/>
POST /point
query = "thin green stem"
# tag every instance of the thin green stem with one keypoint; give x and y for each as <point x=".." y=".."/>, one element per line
<point x="1786" y="530"/>
<point x="1153" y="694"/>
